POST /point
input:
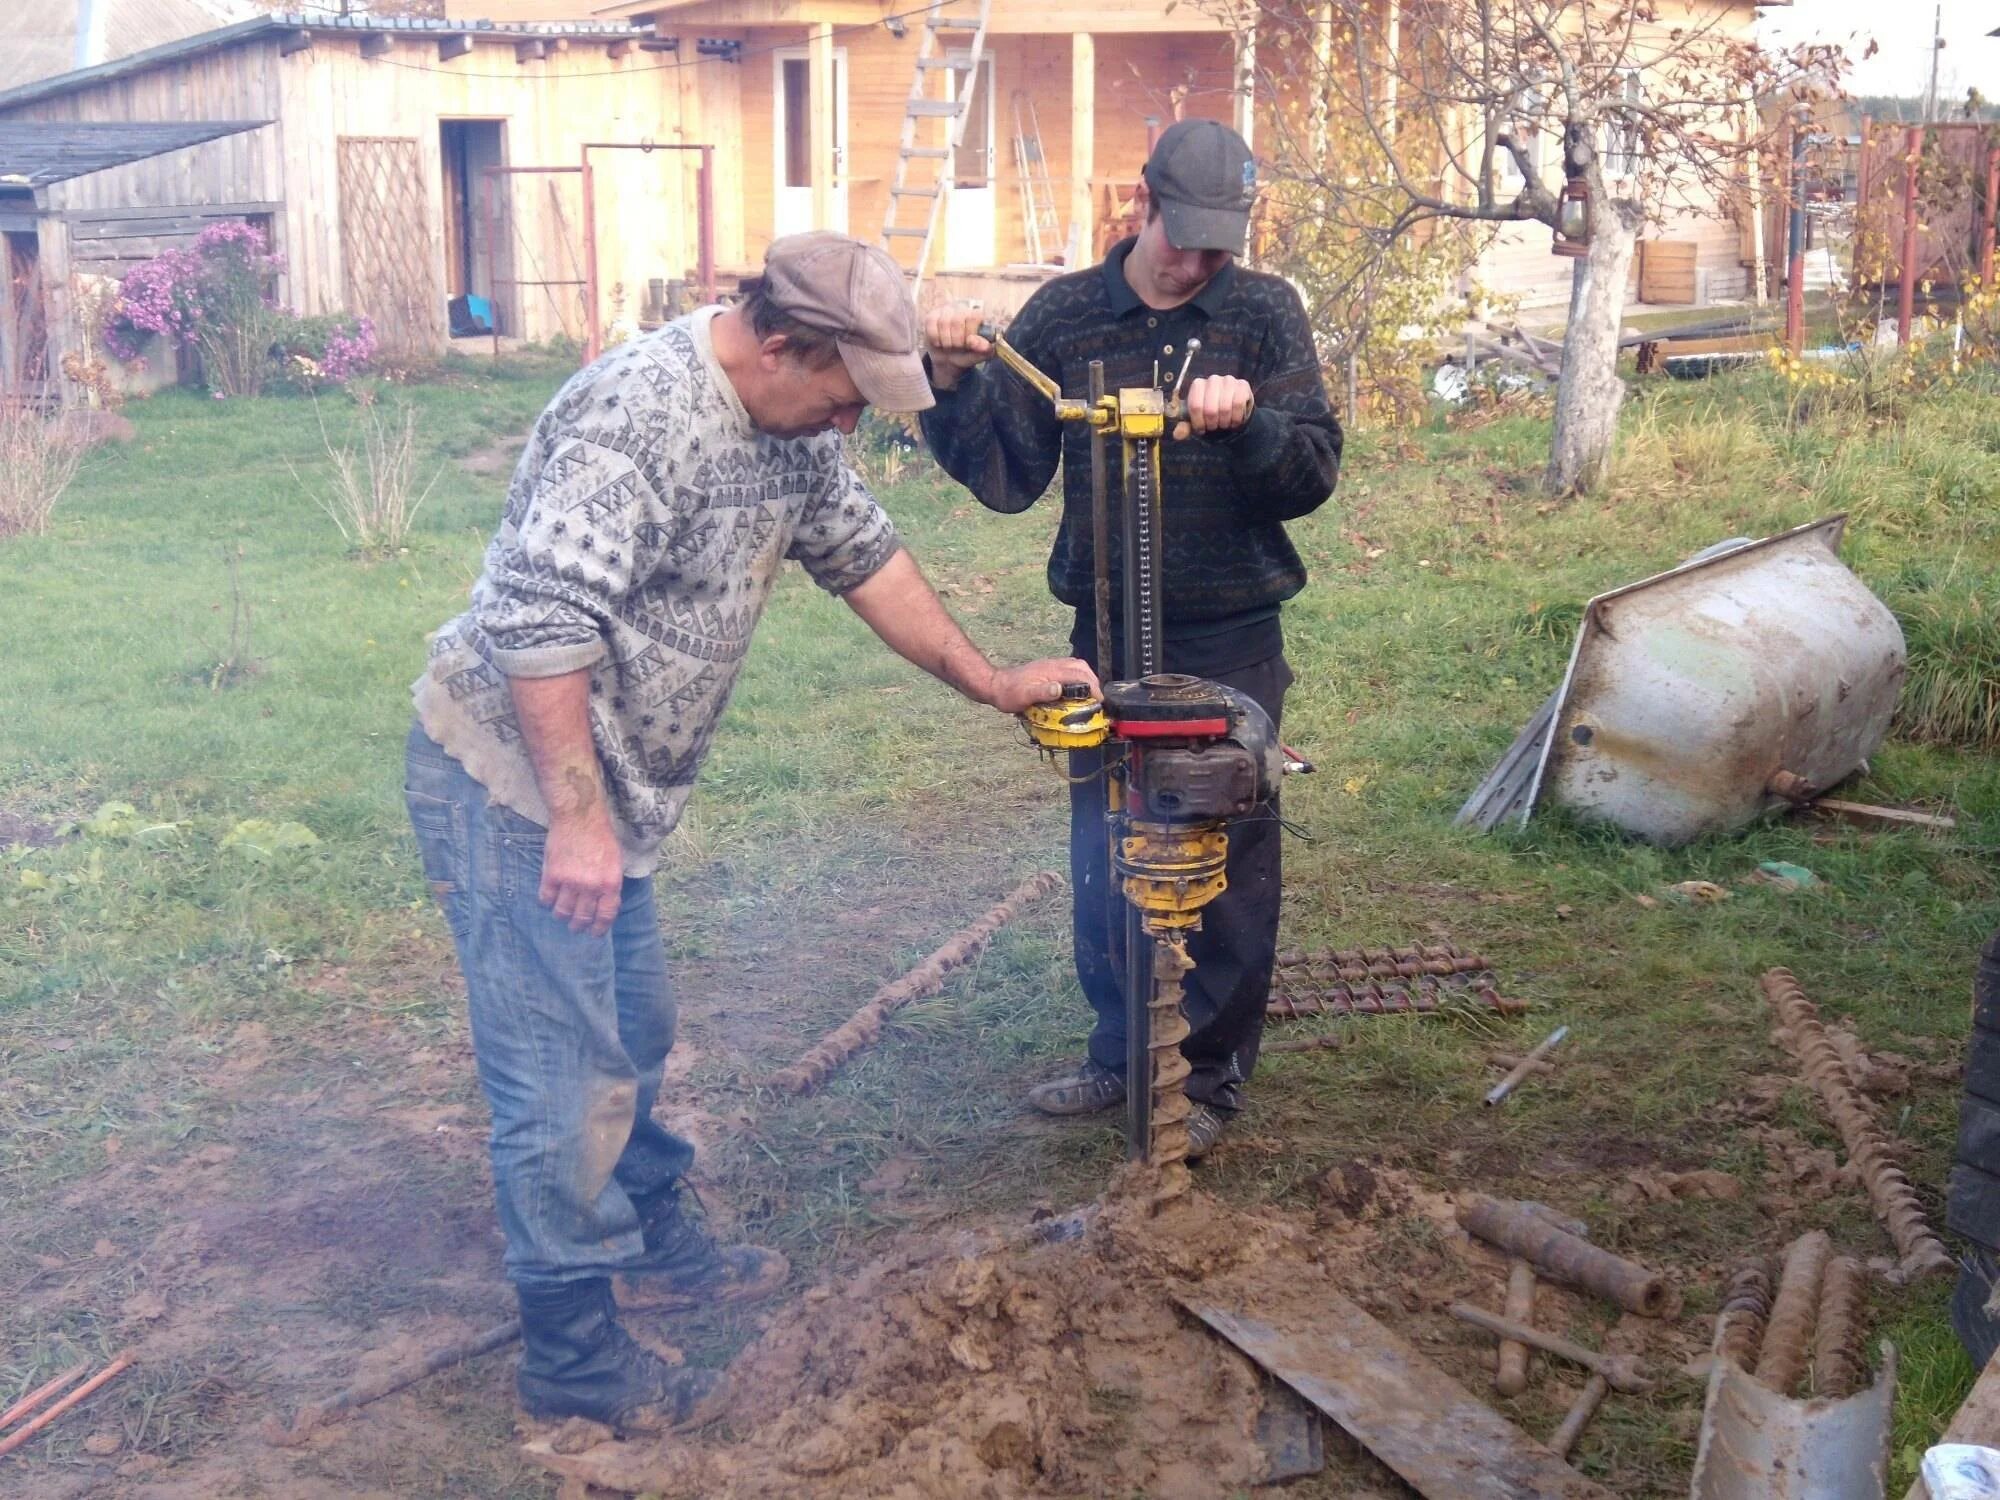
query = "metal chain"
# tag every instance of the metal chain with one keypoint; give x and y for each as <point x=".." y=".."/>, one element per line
<point x="1149" y="649"/>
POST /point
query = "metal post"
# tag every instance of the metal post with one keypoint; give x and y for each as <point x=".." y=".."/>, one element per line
<point x="594" y="335"/>
<point x="1795" y="245"/>
<point x="1906" y="291"/>
<point x="493" y="258"/>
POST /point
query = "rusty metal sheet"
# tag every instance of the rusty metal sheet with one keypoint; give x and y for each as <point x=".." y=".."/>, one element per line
<point x="1441" y="1439"/>
<point x="1759" y="1445"/>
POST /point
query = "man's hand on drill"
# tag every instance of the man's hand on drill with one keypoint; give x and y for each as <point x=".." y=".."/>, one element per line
<point x="951" y="334"/>
<point x="1014" y="689"/>
<point x="1218" y="403"/>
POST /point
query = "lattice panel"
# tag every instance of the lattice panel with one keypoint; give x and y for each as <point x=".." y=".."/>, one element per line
<point x="387" y="243"/>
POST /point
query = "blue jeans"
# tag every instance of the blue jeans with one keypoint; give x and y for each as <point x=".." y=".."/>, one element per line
<point x="571" y="1031"/>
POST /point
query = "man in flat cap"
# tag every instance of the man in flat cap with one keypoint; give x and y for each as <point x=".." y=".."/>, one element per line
<point x="560" y="725"/>
<point x="1266" y="450"/>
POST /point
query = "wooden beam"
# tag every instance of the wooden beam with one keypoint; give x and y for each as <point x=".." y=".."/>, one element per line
<point x="453" y="46"/>
<point x="294" y="41"/>
<point x="376" y="43"/>
<point x="620" y="48"/>
<point x="1867" y="815"/>
<point x="525" y="52"/>
<point x="819" y="70"/>
<point x="1082" y="147"/>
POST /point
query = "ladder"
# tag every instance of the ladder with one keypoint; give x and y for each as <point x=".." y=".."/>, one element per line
<point x="917" y="195"/>
<point x="1038" y="192"/>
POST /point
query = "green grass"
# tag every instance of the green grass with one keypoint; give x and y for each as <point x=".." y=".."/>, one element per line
<point x="164" y="995"/>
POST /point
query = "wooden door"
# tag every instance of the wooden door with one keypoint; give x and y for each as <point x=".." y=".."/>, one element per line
<point x="388" y="244"/>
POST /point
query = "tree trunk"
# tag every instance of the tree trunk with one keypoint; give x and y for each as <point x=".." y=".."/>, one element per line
<point x="1589" y="392"/>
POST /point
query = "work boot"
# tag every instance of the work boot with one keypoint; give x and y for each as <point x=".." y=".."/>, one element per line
<point x="577" y="1362"/>
<point x="1204" y="1129"/>
<point x="1084" y="1092"/>
<point x="682" y="1266"/>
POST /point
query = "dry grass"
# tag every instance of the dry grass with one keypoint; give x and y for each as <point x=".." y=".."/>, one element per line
<point x="39" y="457"/>
<point x="371" y="493"/>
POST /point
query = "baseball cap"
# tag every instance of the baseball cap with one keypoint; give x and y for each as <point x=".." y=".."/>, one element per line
<point x="855" y="292"/>
<point x="1205" y="179"/>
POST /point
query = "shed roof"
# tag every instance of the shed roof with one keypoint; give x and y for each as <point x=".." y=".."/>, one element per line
<point x="224" y="37"/>
<point x="36" y="152"/>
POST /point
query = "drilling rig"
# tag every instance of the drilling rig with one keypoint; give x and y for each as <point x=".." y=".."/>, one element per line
<point x="1182" y="755"/>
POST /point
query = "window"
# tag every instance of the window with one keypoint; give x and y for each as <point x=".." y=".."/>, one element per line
<point x="1523" y="122"/>
<point x="798" y="123"/>
<point x="1622" y="144"/>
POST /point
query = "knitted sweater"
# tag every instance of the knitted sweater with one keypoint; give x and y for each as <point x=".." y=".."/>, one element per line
<point x="643" y="532"/>
<point x="1227" y="496"/>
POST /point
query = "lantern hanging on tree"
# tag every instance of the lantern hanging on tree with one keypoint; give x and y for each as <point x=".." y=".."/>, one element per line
<point x="1573" y="219"/>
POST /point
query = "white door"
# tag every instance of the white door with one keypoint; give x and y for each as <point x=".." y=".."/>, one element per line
<point x="791" y="139"/>
<point x="969" y="214"/>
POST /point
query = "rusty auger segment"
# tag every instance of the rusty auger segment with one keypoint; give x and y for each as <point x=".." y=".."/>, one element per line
<point x="1889" y="1190"/>
<point x="1169" y="1145"/>
<point x="1382" y="981"/>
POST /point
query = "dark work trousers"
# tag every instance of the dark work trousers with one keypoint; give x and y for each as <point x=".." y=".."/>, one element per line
<point x="1233" y="951"/>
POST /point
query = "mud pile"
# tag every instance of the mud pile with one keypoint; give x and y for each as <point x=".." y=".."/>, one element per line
<point x="979" y="1368"/>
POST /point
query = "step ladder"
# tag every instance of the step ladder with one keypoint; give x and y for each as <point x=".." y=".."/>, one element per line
<point x="1039" y="217"/>
<point x="932" y="129"/>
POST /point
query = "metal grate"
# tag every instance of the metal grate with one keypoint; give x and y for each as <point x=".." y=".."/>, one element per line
<point x="386" y="245"/>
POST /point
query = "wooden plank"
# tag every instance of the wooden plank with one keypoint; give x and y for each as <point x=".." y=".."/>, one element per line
<point x="1868" y="815"/>
<point x="819" y="104"/>
<point x="1741" y="343"/>
<point x="1442" y="1441"/>
<point x="1082" y="144"/>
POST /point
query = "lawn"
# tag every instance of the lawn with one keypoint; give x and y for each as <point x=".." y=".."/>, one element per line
<point x="238" y="1128"/>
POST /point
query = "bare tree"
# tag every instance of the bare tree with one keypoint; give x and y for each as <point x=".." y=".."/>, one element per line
<point x="1443" y="120"/>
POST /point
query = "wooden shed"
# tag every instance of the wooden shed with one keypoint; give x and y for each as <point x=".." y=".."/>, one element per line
<point x="409" y="161"/>
<point x="49" y="242"/>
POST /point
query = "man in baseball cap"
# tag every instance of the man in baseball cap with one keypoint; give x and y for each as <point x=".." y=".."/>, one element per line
<point x="1204" y="179"/>
<point x="831" y="284"/>
<point x="561" y="722"/>
<point x="1266" y="450"/>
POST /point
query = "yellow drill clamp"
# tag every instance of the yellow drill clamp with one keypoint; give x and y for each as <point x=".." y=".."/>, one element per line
<point x="1068" y="725"/>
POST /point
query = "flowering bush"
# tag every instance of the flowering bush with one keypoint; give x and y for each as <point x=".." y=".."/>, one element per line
<point x="215" y="299"/>
<point x="320" y="351"/>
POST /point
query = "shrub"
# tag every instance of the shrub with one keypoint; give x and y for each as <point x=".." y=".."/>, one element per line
<point x="373" y="499"/>
<point x="38" y="459"/>
<point x="215" y="299"/>
<point x="325" y="350"/>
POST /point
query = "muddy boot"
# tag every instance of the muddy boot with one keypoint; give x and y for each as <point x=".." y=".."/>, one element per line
<point x="577" y="1362"/>
<point x="682" y="1266"/>
<point x="1084" y="1092"/>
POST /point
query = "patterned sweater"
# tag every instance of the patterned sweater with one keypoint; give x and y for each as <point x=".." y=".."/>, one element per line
<point x="644" y="529"/>
<point x="1227" y="496"/>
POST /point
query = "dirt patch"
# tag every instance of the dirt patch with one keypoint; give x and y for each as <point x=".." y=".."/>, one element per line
<point x="496" y="459"/>
<point x="980" y="1368"/>
<point x="17" y="828"/>
<point x="1057" y="1362"/>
